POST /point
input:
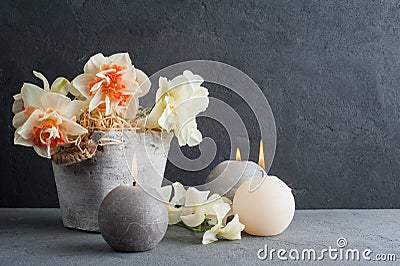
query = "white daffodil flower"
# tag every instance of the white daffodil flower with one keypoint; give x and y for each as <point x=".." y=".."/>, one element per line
<point x="30" y="97"/>
<point x="178" y="102"/>
<point x="174" y="205"/>
<point x="47" y="120"/>
<point x="231" y="231"/>
<point x="111" y="84"/>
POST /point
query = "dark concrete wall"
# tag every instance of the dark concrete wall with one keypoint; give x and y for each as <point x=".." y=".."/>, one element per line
<point x="330" y="70"/>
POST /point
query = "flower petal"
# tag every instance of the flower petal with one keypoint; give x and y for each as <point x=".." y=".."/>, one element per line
<point x="221" y="210"/>
<point x="196" y="80"/>
<point x="162" y="88"/>
<point x="195" y="138"/>
<point x="56" y="102"/>
<point x="189" y="108"/>
<point x="74" y="108"/>
<point x="31" y="95"/>
<point x="167" y="118"/>
<point x="18" y="140"/>
<point x="82" y="84"/>
<point x="18" y="103"/>
<point x="174" y="214"/>
<point x="19" y="119"/>
<point x="25" y="130"/>
<point x="155" y="114"/>
<point x="232" y="230"/>
<point x="179" y="194"/>
<point x="94" y="64"/>
<point x="129" y="78"/>
<point x="188" y="134"/>
<point x="180" y="88"/>
<point x="17" y="97"/>
<point x="108" y="105"/>
<point x="200" y="92"/>
<point x="210" y="235"/>
<point x="96" y="87"/>
<point x="120" y="59"/>
<point x="60" y="85"/>
<point x="43" y="78"/>
<point x="43" y="152"/>
<point x="132" y="108"/>
<point x="165" y="192"/>
<point x="144" y="83"/>
<point x="96" y="101"/>
<point x="72" y="128"/>
<point x="194" y="219"/>
<point x="195" y="197"/>
<point x="75" y="92"/>
<point x="209" y="207"/>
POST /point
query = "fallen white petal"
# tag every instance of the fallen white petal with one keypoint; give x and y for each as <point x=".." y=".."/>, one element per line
<point x="195" y="197"/>
<point x="233" y="229"/>
<point x="194" y="219"/>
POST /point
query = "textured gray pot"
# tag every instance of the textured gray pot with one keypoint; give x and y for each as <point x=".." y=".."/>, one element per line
<point x="81" y="187"/>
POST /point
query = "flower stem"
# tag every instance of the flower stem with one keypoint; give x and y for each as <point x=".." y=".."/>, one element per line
<point x="198" y="229"/>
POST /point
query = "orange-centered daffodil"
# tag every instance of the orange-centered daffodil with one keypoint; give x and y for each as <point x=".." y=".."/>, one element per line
<point x="112" y="84"/>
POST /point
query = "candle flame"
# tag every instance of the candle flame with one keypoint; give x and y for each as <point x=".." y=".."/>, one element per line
<point x="238" y="156"/>
<point x="261" y="155"/>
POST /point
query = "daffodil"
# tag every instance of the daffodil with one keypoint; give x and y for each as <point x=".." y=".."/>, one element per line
<point x="231" y="231"/>
<point x="178" y="102"/>
<point x="30" y="97"/>
<point x="45" y="119"/>
<point x="111" y="84"/>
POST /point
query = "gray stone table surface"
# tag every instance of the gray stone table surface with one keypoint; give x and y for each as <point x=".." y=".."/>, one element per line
<point x="37" y="237"/>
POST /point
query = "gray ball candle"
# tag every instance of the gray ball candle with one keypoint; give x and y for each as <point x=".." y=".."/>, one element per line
<point x="131" y="220"/>
<point x="227" y="176"/>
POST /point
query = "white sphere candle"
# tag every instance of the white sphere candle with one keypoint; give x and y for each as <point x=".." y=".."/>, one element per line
<point x="265" y="206"/>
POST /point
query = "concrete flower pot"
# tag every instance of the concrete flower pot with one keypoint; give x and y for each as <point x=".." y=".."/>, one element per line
<point x="82" y="186"/>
